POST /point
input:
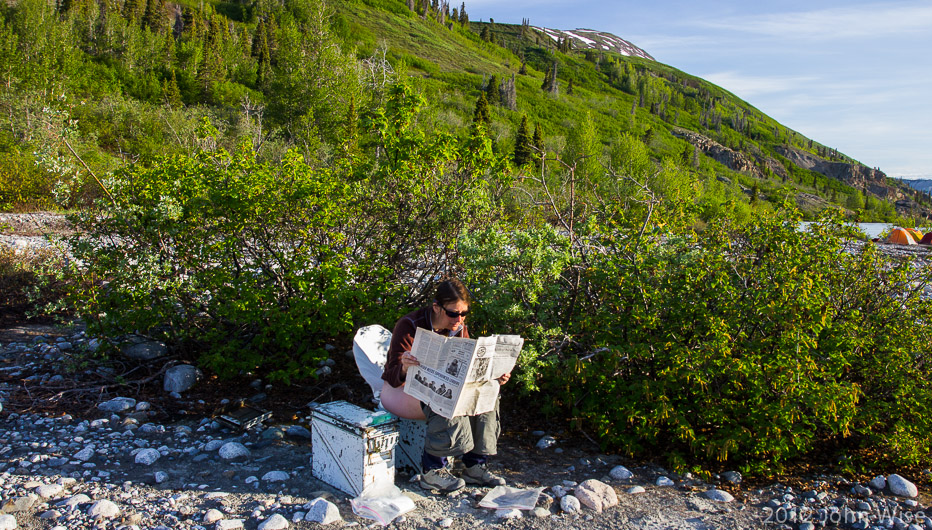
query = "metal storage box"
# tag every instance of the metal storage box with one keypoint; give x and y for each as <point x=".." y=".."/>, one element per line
<point x="353" y="447"/>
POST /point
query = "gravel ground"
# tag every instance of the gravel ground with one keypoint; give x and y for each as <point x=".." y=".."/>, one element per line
<point x="119" y="467"/>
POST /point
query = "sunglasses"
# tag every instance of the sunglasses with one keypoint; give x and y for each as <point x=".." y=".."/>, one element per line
<point x="454" y="314"/>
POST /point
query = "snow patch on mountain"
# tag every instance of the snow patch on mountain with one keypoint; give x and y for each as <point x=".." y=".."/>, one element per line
<point x="596" y="40"/>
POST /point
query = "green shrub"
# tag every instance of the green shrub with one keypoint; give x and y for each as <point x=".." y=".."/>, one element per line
<point x="220" y="253"/>
<point x="751" y="345"/>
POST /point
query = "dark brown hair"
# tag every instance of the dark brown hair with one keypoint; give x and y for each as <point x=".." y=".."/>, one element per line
<point x="450" y="291"/>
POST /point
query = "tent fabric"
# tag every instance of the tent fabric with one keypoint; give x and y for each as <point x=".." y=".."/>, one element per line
<point x="917" y="235"/>
<point x="899" y="236"/>
<point x="926" y="239"/>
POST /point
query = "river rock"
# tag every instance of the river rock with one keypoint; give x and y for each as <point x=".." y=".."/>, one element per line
<point x="570" y="504"/>
<point x="275" y="522"/>
<point x="142" y="349"/>
<point x="733" y="477"/>
<point x="719" y="495"/>
<point x="212" y="516"/>
<point x="546" y="442"/>
<point x="7" y="522"/>
<point x="147" y="457"/>
<point x="230" y="524"/>
<point x="20" y="504"/>
<point x="104" y="508"/>
<point x="117" y="404"/>
<point x="233" y="450"/>
<point x="901" y="487"/>
<point x="276" y="476"/>
<point x="878" y="483"/>
<point x="48" y="491"/>
<point x="322" y="511"/>
<point x="664" y="482"/>
<point x="181" y="378"/>
<point x="620" y="473"/>
<point x="596" y="495"/>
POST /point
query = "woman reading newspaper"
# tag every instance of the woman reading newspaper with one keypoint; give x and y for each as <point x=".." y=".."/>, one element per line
<point x="473" y="438"/>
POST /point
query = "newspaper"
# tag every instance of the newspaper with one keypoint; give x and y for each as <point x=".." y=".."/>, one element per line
<point x="457" y="376"/>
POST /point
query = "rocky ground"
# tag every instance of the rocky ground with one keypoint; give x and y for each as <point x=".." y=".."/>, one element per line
<point x="123" y="463"/>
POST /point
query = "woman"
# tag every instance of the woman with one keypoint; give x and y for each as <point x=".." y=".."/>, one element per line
<point x="474" y="438"/>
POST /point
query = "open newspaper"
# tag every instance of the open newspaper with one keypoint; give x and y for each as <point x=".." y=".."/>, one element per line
<point x="457" y="376"/>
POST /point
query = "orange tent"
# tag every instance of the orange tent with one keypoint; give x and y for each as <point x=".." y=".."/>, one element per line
<point x="899" y="236"/>
<point x="926" y="239"/>
<point x="917" y="235"/>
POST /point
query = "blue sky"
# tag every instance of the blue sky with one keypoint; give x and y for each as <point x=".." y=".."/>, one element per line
<point x="853" y="75"/>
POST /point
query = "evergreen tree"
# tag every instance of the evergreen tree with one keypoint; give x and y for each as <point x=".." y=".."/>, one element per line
<point x="154" y="16"/>
<point x="481" y="114"/>
<point x="524" y="151"/>
<point x="485" y="35"/>
<point x="132" y="9"/>
<point x="755" y="194"/>
<point x="538" y="141"/>
<point x="569" y="88"/>
<point x="464" y="18"/>
<point x="171" y="95"/>
<point x="491" y="91"/>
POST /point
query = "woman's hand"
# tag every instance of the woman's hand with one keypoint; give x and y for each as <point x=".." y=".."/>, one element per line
<point x="504" y="378"/>
<point x="407" y="361"/>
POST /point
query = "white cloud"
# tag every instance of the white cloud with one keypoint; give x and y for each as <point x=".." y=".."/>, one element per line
<point x="864" y="21"/>
<point x="746" y="86"/>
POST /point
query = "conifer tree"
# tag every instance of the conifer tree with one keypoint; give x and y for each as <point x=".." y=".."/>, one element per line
<point x="131" y="9"/>
<point x="171" y="95"/>
<point x="464" y="18"/>
<point x="569" y="88"/>
<point x="524" y="151"/>
<point x="491" y="91"/>
<point x="481" y="115"/>
<point x="538" y="140"/>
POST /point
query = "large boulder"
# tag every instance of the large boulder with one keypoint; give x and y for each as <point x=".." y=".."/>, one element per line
<point x="143" y="349"/>
<point x="181" y="378"/>
<point x="596" y="495"/>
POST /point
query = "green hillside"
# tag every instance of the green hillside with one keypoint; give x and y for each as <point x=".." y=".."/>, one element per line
<point x="128" y="82"/>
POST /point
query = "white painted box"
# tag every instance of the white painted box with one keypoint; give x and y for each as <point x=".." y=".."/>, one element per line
<point x="352" y="447"/>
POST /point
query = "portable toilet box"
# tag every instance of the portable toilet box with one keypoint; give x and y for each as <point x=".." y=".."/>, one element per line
<point x="352" y="447"/>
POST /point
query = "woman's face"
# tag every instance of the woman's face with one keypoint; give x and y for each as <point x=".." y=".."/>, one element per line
<point x="442" y="319"/>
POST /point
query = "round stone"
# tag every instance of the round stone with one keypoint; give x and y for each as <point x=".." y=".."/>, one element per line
<point x="104" y="508"/>
<point x="233" y="450"/>
<point x="147" y="457"/>
<point x="620" y="473"/>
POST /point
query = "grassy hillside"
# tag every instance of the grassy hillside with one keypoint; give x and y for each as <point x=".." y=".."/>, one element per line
<point x="105" y="85"/>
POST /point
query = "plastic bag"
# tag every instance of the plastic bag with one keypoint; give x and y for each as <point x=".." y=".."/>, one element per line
<point x="507" y="498"/>
<point x="382" y="502"/>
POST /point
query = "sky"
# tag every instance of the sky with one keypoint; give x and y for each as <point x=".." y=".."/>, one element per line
<point x="851" y="75"/>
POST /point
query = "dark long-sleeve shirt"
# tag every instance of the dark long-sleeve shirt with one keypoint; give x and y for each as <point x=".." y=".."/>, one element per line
<point x="403" y="339"/>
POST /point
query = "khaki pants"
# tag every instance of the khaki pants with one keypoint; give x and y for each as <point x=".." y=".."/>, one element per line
<point x="463" y="434"/>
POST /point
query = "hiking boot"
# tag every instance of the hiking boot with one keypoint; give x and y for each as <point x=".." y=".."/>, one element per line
<point x="441" y="480"/>
<point x="478" y="474"/>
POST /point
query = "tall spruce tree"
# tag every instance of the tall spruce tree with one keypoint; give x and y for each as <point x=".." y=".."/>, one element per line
<point x="481" y="114"/>
<point x="524" y="151"/>
<point x="491" y="91"/>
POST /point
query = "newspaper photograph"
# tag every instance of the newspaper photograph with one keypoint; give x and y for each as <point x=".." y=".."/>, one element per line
<point x="457" y="376"/>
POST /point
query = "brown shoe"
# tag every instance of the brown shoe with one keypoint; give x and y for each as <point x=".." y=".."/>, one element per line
<point x="480" y="475"/>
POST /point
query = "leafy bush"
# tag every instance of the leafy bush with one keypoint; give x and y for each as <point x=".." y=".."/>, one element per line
<point x="232" y="257"/>
<point x="751" y="345"/>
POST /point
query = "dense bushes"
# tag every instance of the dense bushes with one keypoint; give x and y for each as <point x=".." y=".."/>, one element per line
<point x="751" y="345"/>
